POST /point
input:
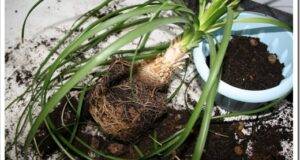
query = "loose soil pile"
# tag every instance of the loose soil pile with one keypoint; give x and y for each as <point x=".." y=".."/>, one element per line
<point x="226" y="140"/>
<point x="249" y="65"/>
<point x="89" y="132"/>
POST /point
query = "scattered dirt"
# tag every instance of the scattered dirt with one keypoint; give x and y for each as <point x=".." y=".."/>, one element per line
<point x="226" y="140"/>
<point x="89" y="132"/>
<point x="265" y="143"/>
<point x="17" y="47"/>
<point x="63" y="115"/>
<point x="249" y="65"/>
<point x="193" y="5"/>
<point x="7" y="56"/>
<point x="23" y="76"/>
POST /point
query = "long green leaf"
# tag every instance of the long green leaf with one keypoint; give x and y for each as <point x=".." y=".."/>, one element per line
<point x="58" y="143"/>
<point x="212" y="48"/>
<point x="78" y="112"/>
<point x="201" y="139"/>
<point x="209" y="84"/>
<point x="265" y="20"/>
<point x="28" y="14"/>
<point x="98" y="153"/>
<point x="251" y="112"/>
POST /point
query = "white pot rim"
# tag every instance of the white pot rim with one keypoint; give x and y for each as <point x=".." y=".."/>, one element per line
<point x="250" y="96"/>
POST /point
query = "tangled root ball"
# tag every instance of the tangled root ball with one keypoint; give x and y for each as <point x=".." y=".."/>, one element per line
<point x="125" y="109"/>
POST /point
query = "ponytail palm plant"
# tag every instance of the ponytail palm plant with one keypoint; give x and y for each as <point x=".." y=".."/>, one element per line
<point x="54" y="80"/>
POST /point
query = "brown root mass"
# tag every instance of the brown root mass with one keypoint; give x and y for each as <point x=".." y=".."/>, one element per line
<point x="125" y="109"/>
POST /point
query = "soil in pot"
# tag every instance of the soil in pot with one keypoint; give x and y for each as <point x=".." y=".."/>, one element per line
<point x="249" y="65"/>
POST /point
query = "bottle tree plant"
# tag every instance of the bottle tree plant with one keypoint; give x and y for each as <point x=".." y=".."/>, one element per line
<point x="152" y="66"/>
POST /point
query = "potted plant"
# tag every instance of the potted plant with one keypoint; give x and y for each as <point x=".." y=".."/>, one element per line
<point x="278" y="40"/>
<point x="137" y="79"/>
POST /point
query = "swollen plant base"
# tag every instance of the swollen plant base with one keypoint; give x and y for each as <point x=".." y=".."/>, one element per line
<point x="125" y="109"/>
<point x="158" y="72"/>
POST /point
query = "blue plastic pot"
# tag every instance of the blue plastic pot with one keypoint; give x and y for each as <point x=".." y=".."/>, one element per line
<point x="279" y="41"/>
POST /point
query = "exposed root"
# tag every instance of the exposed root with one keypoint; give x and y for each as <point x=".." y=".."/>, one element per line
<point x="124" y="110"/>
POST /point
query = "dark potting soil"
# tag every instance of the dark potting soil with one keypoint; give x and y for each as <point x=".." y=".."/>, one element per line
<point x="46" y="144"/>
<point x="225" y="139"/>
<point x="88" y="132"/>
<point x="249" y="65"/>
